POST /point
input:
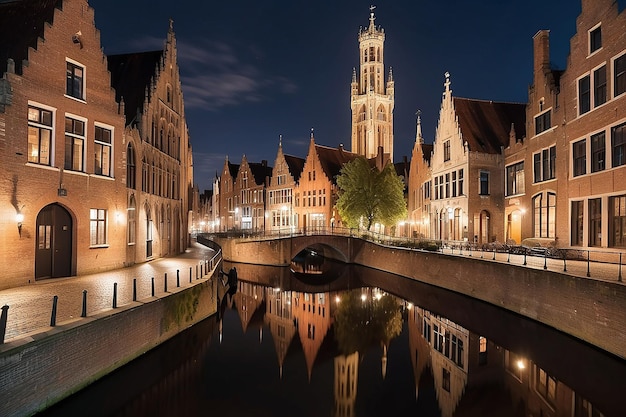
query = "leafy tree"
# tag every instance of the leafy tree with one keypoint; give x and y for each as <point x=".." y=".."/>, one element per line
<point x="369" y="195"/>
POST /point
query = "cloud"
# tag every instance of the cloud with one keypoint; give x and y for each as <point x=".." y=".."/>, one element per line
<point x="214" y="76"/>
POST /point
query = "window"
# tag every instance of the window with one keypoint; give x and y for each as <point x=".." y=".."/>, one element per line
<point x="98" y="227"/>
<point x="102" y="151"/>
<point x="74" y="144"/>
<point x="446" y="151"/>
<point x="579" y="154"/>
<point x="514" y="364"/>
<point x="131" y="220"/>
<point x="448" y="185"/>
<point x="545" y="386"/>
<point x="597" y="152"/>
<point x="460" y="182"/>
<point x="595" y="222"/>
<point x="484" y="183"/>
<point x="617" y="221"/>
<point x="39" y="135"/>
<point x="454" y="184"/>
<point x="75" y="81"/>
<point x="482" y="350"/>
<point x="619" y="75"/>
<point x="584" y="95"/>
<point x="577" y="223"/>
<point x="130" y="167"/>
<point x="599" y="86"/>
<point x="438" y="338"/>
<point x="543" y="122"/>
<point x="545" y="164"/>
<point x="544" y="214"/>
<point x="618" y="145"/>
<point x="445" y="381"/>
<point x="595" y="39"/>
<point x="515" y="179"/>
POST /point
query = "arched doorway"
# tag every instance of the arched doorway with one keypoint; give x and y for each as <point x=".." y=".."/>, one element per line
<point x="53" y="243"/>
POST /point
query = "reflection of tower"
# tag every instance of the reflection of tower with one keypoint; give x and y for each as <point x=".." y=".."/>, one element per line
<point x="417" y="324"/>
<point x="371" y="101"/>
<point x="346" y="378"/>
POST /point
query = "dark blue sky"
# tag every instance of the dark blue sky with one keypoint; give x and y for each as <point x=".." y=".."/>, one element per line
<point x="252" y="71"/>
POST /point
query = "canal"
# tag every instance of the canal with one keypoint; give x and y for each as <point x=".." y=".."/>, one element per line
<point x="337" y="340"/>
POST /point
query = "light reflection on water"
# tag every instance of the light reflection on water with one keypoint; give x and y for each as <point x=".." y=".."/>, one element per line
<point x="361" y="343"/>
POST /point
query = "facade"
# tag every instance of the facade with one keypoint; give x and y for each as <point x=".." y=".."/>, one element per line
<point x="371" y="99"/>
<point x="419" y="186"/>
<point x="159" y="181"/>
<point x="467" y="166"/>
<point x="62" y="146"/>
<point x="226" y="197"/>
<point x="94" y="149"/>
<point x="251" y="182"/>
<point x="280" y="192"/>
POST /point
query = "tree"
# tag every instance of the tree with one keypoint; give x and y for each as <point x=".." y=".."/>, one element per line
<point x="369" y="195"/>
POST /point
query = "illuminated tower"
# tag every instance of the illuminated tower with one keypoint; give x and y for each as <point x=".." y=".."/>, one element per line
<point x="371" y="99"/>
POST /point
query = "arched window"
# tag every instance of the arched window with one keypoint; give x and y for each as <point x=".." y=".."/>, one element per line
<point x="544" y="215"/>
<point x="130" y="167"/>
<point x="131" y="220"/>
<point x="144" y="175"/>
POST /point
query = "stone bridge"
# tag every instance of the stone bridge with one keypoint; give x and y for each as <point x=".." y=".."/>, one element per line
<point x="593" y="310"/>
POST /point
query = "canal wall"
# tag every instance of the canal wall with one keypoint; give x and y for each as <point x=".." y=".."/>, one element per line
<point x="592" y="310"/>
<point x="42" y="368"/>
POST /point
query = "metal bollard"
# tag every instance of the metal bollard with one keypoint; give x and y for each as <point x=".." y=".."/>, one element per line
<point x="3" y="322"/>
<point x="53" y="316"/>
<point x="196" y="271"/>
<point x="153" y="286"/>
<point x="115" y="295"/>
<point x="84" y="311"/>
<point x="177" y="278"/>
<point x="545" y="259"/>
<point x="190" y="275"/>
<point x="201" y="274"/>
<point x="134" y="289"/>
<point x="165" y="283"/>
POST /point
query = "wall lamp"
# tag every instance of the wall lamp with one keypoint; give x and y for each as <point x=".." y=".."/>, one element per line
<point x="19" y="218"/>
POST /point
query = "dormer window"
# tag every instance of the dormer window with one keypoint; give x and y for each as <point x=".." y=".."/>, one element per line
<point x="75" y="85"/>
<point x="595" y="39"/>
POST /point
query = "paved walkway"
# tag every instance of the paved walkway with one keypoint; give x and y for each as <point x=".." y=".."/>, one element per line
<point x="30" y="306"/>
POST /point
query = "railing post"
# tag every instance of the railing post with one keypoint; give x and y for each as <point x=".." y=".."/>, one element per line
<point x="153" y="286"/>
<point x="588" y="271"/>
<point x="482" y="252"/>
<point x="525" y="257"/>
<point x="494" y="254"/>
<point x="508" y="259"/>
<point x="83" y="313"/>
<point x="115" y="295"/>
<point x="165" y="283"/>
<point x="53" y="316"/>
<point x="619" y="275"/>
<point x="564" y="265"/>
<point x="3" y="322"/>
<point x="545" y="259"/>
<point x="190" y="275"/>
<point x="134" y="289"/>
<point x="177" y="278"/>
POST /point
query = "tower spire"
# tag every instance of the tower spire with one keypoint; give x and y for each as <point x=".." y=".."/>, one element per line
<point x="372" y="18"/>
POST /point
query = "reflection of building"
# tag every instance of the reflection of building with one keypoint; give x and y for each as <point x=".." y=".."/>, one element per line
<point x="313" y="316"/>
<point x="345" y="387"/>
<point x="279" y="318"/>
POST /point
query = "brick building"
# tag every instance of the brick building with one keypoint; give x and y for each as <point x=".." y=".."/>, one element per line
<point x="70" y="152"/>
<point x="419" y="185"/>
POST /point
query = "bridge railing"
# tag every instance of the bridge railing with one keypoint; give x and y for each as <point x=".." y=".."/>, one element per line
<point x="595" y="263"/>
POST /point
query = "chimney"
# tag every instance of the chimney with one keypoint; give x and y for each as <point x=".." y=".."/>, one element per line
<point x="541" y="51"/>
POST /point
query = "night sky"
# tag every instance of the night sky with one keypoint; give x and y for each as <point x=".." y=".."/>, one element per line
<point x="252" y="71"/>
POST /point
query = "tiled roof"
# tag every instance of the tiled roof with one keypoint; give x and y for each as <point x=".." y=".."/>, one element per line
<point x="260" y="171"/>
<point x="332" y="159"/>
<point x="296" y="165"/>
<point x="485" y="125"/>
<point x="131" y="74"/>
<point x="21" y="24"/>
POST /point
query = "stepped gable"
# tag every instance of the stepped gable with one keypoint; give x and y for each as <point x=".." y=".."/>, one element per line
<point x="131" y="76"/>
<point x="296" y="166"/>
<point x="486" y="125"/>
<point x="260" y="171"/>
<point x="22" y="23"/>
<point x="333" y="159"/>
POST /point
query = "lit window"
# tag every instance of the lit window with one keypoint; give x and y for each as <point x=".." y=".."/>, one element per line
<point x="39" y="135"/>
<point x="515" y="179"/>
<point x="75" y="86"/>
<point x="102" y="151"/>
<point x="98" y="226"/>
<point x="74" y="144"/>
<point x="544" y="216"/>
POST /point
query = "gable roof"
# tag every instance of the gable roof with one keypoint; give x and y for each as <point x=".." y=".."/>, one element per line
<point x="486" y="125"/>
<point x="333" y="159"/>
<point x="21" y="24"/>
<point x="260" y="171"/>
<point x="296" y="165"/>
<point x="131" y="75"/>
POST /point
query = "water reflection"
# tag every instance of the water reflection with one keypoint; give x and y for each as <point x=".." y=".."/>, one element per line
<point x="354" y="347"/>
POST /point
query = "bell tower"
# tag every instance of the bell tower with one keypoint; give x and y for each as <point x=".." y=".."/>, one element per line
<point x="371" y="98"/>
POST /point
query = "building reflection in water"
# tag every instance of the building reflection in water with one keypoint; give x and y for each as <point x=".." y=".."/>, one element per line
<point x="358" y="339"/>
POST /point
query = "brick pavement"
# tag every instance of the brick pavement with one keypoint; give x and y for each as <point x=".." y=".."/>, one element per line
<point x="30" y="306"/>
